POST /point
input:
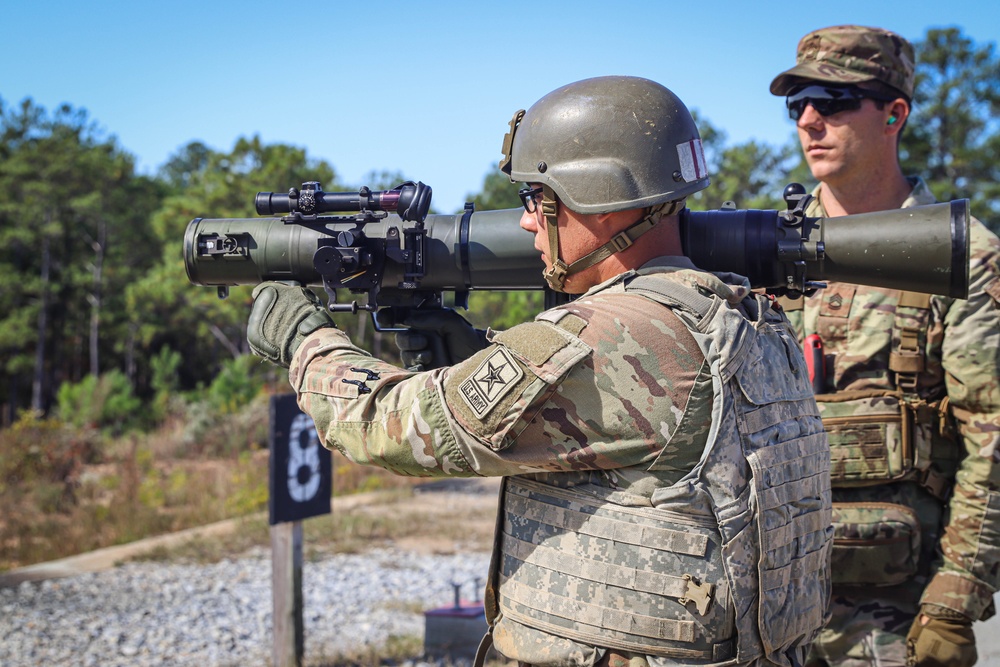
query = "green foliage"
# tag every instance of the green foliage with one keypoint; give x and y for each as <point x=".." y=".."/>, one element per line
<point x="502" y="310"/>
<point x="238" y="382"/>
<point x="175" y="486"/>
<point x="164" y="368"/>
<point x="211" y="430"/>
<point x="231" y="414"/>
<point x="72" y="215"/>
<point x="105" y="402"/>
<point x="183" y="166"/>
<point x="165" y="382"/>
<point x="953" y="135"/>
<point x="498" y="193"/>
<point x="752" y="174"/>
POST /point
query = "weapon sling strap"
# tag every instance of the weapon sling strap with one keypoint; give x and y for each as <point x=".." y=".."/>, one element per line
<point x="484" y="647"/>
<point x="907" y="361"/>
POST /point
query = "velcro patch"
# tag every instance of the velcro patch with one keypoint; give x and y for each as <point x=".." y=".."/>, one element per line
<point x="534" y="341"/>
<point x="493" y="380"/>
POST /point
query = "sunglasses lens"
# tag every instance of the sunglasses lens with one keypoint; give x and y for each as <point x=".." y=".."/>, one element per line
<point x="826" y="101"/>
<point x="795" y="109"/>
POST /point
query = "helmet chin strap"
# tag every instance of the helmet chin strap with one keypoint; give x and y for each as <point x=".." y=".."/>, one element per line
<point x="557" y="274"/>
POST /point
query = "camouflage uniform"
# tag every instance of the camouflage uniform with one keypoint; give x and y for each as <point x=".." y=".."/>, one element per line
<point x="598" y="412"/>
<point x="916" y="501"/>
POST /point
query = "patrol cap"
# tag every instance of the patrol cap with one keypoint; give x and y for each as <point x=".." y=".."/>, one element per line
<point x="850" y="54"/>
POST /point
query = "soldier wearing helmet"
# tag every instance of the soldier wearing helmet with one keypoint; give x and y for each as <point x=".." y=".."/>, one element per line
<point x="666" y="474"/>
<point x="607" y="146"/>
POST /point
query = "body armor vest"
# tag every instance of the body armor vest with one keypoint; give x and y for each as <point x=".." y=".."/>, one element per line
<point x="732" y="560"/>
<point x="890" y="433"/>
<point x="895" y="428"/>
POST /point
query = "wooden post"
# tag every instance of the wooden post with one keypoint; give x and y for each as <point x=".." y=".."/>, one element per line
<point x="300" y="485"/>
<point x="286" y="586"/>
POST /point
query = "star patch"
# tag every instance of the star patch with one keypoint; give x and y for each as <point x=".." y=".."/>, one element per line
<point x="494" y="378"/>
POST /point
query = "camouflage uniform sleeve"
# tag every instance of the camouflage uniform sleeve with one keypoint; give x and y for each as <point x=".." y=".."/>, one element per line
<point x="371" y="411"/>
<point x="641" y="398"/>
<point x="540" y="398"/>
<point x="970" y="544"/>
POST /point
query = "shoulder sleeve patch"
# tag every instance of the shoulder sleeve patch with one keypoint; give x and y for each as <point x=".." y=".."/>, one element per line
<point x="490" y="382"/>
<point x="496" y="392"/>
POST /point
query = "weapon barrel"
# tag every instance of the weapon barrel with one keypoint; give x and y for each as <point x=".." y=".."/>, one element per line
<point x="486" y="250"/>
<point x="921" y="249"/>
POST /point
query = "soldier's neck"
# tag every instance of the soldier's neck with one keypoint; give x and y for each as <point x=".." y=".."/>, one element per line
<point x="865" y="193"/>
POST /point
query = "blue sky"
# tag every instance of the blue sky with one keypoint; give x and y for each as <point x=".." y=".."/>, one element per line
<point x="423" y="88"/>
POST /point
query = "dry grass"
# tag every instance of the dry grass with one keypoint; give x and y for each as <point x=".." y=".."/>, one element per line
<point x="67" y="492"/>
<point x="405" y="519"/>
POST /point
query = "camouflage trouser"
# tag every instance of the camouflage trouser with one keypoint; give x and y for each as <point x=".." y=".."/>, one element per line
<point x="864" y="632"/>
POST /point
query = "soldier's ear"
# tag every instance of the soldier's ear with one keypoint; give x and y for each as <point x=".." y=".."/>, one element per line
<point x="899" y="111"/>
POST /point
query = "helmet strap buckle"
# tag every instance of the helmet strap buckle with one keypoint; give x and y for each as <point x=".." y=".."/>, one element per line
<point x="620" y="241"/>
<point x="555" y="276"/>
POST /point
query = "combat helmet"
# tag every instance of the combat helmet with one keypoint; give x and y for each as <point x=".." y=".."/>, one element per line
<point x="610" y="143"/>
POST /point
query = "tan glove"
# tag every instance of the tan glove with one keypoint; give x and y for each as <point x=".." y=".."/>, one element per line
<point x="281" y="318"/>
<point x="938" y="638"/>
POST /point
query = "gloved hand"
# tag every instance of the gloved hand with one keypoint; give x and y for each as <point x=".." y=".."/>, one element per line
<point x="437" y="338"/>
<point x="281" y="317"/>
<point x="940" y="639"/>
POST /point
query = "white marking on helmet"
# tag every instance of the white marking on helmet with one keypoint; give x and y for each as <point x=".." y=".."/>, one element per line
<point x="692" y="159"/>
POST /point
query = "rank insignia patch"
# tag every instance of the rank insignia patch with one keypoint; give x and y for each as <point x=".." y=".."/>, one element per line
<point x="494" y="378"/>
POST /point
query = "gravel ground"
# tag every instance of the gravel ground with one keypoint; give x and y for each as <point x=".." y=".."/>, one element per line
<point x="152" y="613"/>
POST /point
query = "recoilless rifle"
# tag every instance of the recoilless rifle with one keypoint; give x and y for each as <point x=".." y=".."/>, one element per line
<point x="385" y="244"/>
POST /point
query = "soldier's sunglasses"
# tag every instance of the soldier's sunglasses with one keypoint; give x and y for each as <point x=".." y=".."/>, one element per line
<point x="529" y="198"/>
<point x="829" y="100"/>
